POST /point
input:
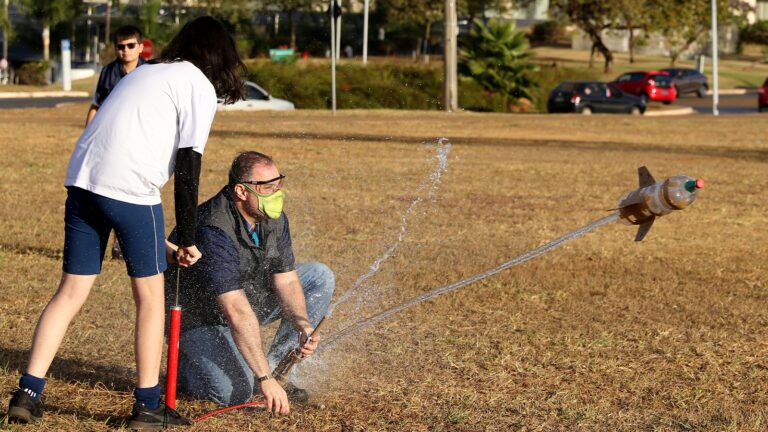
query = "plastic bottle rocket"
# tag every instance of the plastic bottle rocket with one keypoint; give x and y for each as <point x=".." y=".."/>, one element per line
<point x="653" y="199"/>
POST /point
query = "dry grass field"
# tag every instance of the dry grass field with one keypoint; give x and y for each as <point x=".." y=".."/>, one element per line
<point x="602" y="334"/>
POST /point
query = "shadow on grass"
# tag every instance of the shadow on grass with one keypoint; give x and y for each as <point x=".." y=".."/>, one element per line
<point x="81" y="373"/>
<point x="599" y="146"/>
<point x="109" y="419"/>
<point x="47" y="252"/>
<point x="74" y="371"/>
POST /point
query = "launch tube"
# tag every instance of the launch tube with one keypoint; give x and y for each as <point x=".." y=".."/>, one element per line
<point x="294" y="356"/>
<point x="173" y="357"/>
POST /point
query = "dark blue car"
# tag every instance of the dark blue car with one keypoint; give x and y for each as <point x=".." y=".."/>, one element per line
<point x="587" y="97"/>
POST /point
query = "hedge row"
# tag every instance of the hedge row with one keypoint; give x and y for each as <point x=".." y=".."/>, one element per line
<point x="756" y="33"/>
<point x="392" y="86"/>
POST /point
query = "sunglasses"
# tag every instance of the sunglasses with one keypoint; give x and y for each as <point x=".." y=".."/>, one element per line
<point x="130" y="45"/>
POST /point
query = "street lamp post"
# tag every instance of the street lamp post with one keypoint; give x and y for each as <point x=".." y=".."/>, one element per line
<point x="451" y="30"/>
<point x="332" y="15"/>
<point x="5" y="30"/>
<point x="365" y="33"/>
<point x="108" y="22"/>
<point x="715" y="83"/>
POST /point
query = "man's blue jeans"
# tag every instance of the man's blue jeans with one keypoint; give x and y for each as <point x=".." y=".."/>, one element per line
<point x="211" y="366"/>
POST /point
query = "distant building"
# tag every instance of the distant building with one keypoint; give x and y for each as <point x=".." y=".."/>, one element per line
<point x="656" y="44"/>
<point x="538" y="10"/>
<point x="760" y="11"/>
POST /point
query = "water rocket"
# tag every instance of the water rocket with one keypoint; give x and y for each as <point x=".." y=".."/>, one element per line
<point x="654" y="199"/>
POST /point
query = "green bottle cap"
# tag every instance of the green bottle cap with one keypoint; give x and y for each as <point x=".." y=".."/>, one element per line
<point x="690" y="186"/>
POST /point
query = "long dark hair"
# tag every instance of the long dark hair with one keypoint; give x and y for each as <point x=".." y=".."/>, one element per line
<point x="205" y="43"/>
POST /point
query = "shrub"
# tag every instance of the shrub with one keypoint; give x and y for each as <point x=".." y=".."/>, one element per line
<point x="33" y="73"/>
<point x="546" y="33"/>
<point x="391" y="86"/>
<point x="498" y="58"/>
<point x="756" y="33"/>
<point x="308" y="85"/>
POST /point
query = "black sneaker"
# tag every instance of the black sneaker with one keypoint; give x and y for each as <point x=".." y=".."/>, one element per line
<point x="296" y="394"/>
<point x="23" y="409"/>
<point x="163" y="417"/>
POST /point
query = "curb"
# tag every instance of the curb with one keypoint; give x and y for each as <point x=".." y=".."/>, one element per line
<point x="731" y="92"/>
<point x="20" y="95"/>
<point x="671" y="112"/>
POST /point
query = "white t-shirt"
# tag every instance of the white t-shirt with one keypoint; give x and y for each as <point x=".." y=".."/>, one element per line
<point x="128" y="151"/>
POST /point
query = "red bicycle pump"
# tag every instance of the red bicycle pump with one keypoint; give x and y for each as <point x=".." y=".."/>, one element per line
<point x="173" y="349"/>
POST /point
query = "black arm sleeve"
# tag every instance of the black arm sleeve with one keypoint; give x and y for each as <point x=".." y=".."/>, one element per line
<point x="186" y="182"/>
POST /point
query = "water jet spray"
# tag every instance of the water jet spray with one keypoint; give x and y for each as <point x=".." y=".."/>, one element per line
<point x="639" y="207"/>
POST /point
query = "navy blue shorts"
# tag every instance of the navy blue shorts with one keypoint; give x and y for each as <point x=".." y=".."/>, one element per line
<point x="88" y="220"/>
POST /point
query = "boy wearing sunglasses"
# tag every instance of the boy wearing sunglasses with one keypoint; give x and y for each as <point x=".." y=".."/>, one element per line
<point x="128" y="45"/>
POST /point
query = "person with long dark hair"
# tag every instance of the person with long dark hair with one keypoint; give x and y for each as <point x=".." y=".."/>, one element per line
<point x="154" y="123"/>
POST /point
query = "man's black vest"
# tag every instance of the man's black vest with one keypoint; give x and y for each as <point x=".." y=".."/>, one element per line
<point x="198" y="302"/>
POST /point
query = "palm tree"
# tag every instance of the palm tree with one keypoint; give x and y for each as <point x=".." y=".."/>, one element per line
<point x="49" y="13"/>
<point x="497" y="57"/>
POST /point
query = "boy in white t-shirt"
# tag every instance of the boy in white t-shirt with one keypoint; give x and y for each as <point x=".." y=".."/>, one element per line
<point x="154" y="124"/>
<point x="128" y="42"/>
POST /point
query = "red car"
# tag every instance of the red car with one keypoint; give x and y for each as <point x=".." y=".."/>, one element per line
<point x="762" y="99"/>
<point x="649" y="86"/>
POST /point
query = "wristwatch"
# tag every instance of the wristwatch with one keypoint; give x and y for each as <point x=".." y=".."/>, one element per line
<point x="265" y="377"/>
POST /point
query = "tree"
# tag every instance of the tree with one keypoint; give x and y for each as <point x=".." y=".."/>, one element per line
<point x="421" y="13"/>
<point x="684" y="22"/>
<point x="50" y="13"/>
<point x="477" y="8"/>
<point x="148" y="13"/>
<point x="425" y="13"/>
<point x="291" y="8"/>
<point x="633" y="15"/>
<point x="497" y="57"/>
<point x="593" y="17"/>
<point x="232" y="11"/>
<point x="5" y="24"/>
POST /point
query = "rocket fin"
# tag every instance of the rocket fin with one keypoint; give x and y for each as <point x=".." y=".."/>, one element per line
<point x="644" y="228"/>
<point x="631" y="200"/>
<point x="646" y="179"/>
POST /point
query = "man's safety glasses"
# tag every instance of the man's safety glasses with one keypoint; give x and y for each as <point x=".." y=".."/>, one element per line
<point x="267" y="187"/>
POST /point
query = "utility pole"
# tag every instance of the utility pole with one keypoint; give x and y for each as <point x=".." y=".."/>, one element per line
<point x="332" y="14"/>
<point x="365" y="33"/>
<point x="88" y="37"/>
<point x="338" y="34"/>
<point x="109" y="17"/>
<point x="46" y="42"/>
<point x="5" y="29"/>
<point x="715" y="83"/>
<point x="451" y="32"/>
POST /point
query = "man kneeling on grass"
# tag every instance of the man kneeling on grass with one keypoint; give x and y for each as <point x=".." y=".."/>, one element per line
<point x="247" y="277"/>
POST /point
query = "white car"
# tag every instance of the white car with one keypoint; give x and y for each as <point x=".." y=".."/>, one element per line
<point x="257" y="99"/>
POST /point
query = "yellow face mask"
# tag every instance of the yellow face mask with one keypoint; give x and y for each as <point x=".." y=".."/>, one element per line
<point x="272" y="204"/>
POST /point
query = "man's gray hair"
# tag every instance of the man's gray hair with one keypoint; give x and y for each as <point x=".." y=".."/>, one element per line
<point x="244" y="163"/>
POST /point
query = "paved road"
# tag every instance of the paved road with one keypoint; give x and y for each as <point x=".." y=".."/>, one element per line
<point x="729" y="104"/>
<point x="42" y="102"/>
